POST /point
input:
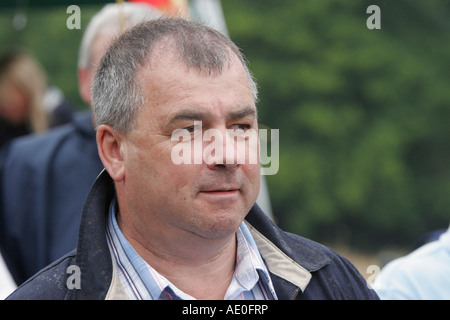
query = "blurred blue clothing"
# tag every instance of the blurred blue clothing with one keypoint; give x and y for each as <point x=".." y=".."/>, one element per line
<point x="428" y="237"/>
<point x="44" y="180"/>
<point x="421" y="275"/>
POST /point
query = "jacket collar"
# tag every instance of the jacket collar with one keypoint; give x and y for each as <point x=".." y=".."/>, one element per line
<point x="308" y="254"/>
<point x="93" y="256"/>
<point x="279" y="263"/>
<point x="289" y="258"/>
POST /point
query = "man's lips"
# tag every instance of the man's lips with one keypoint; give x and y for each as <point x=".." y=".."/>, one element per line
<point x="220" y="191"/>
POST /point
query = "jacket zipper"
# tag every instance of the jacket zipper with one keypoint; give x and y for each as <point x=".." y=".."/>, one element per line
<point x="294" y="294"/>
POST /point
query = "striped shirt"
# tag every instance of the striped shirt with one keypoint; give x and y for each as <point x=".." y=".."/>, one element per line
<point x="251" y="280"/>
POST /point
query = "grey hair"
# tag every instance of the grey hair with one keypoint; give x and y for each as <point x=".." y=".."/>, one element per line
<point x="112" y="16"/>
<point x="117" y="94"/>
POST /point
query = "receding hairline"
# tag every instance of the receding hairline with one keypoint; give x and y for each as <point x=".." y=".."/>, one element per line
<point x="165" y="51"/>
<point x="192" y="44"/>
<point x="168" y="48"/>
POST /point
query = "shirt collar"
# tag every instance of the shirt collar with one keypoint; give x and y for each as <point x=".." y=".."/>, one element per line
<point x="250" y="267"/>
<point x="143" y="282"/>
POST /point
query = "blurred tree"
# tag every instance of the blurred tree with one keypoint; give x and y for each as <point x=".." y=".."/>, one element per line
<point x="47" y="37"/>
<point x="363" y="114"/>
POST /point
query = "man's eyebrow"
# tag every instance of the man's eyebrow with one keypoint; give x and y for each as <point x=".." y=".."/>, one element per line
<point x="188" y="115"/>
<point x="242" y="113"/>
<point x="193" y="115"/>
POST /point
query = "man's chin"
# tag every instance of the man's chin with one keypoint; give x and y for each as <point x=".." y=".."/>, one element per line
<point x="220" y="227"/>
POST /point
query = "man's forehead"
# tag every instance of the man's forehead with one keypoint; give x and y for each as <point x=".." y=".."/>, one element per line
<point x="165" y="65"/>
<point x="166" y="79"/>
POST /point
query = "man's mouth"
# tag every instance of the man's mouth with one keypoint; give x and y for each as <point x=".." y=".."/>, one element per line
<point x="220" y="191"/>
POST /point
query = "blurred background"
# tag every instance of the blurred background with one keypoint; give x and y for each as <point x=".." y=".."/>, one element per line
<point x="363" y="114"/>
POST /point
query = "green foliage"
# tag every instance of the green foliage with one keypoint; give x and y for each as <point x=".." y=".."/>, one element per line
<point x="363" y="114"/>
<point x="47" y="37"/>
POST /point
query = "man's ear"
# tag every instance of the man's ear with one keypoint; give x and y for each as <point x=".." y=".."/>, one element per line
<point x="109" y="144"/>
<point x="84" y="84"/>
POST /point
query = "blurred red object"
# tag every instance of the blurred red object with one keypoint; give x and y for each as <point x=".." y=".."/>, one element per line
<point x="156" y="3"/>
<point x="170" y="7"/>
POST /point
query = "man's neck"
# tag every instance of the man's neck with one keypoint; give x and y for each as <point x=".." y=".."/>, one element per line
<point x="202" y="268"/>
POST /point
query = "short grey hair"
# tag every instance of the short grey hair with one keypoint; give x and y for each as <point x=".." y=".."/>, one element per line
<point x="113" y="17"/>
<point x="118" y="95"/>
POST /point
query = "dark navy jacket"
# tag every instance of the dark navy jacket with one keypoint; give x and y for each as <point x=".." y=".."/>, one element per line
<point x="299" y="268"/>
<point x="44" y="182"/>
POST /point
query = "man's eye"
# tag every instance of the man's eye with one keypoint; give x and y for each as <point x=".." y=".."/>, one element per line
<point x="241" y="126"/>
<point x="193" y="128"/>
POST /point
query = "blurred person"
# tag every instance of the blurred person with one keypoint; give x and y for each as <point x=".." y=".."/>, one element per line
<point x="428" y="237"/>
<point x="421" y="275"/>
<point x="153" y="229"/>
<point x="27" y="103"/>
<point x="45" y="178"/>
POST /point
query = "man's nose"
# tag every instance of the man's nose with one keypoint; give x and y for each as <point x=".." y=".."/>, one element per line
<point x="220" y="150"/>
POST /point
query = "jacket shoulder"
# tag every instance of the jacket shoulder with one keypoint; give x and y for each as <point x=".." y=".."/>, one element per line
<point x="332" y="276"/>
<point x="50" y="283"/>
<point x="29" y="144"/>
<point x="338" y="279"/>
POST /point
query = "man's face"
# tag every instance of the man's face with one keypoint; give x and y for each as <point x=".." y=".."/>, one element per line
<point x="209" y="200"/>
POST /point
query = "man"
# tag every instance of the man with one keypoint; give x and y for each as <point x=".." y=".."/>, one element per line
<point x="153" y="229"/>
<point x="45" y="178"/>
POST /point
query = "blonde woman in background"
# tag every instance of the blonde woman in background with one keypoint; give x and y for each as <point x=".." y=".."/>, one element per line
<point x="27" y="103"/>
